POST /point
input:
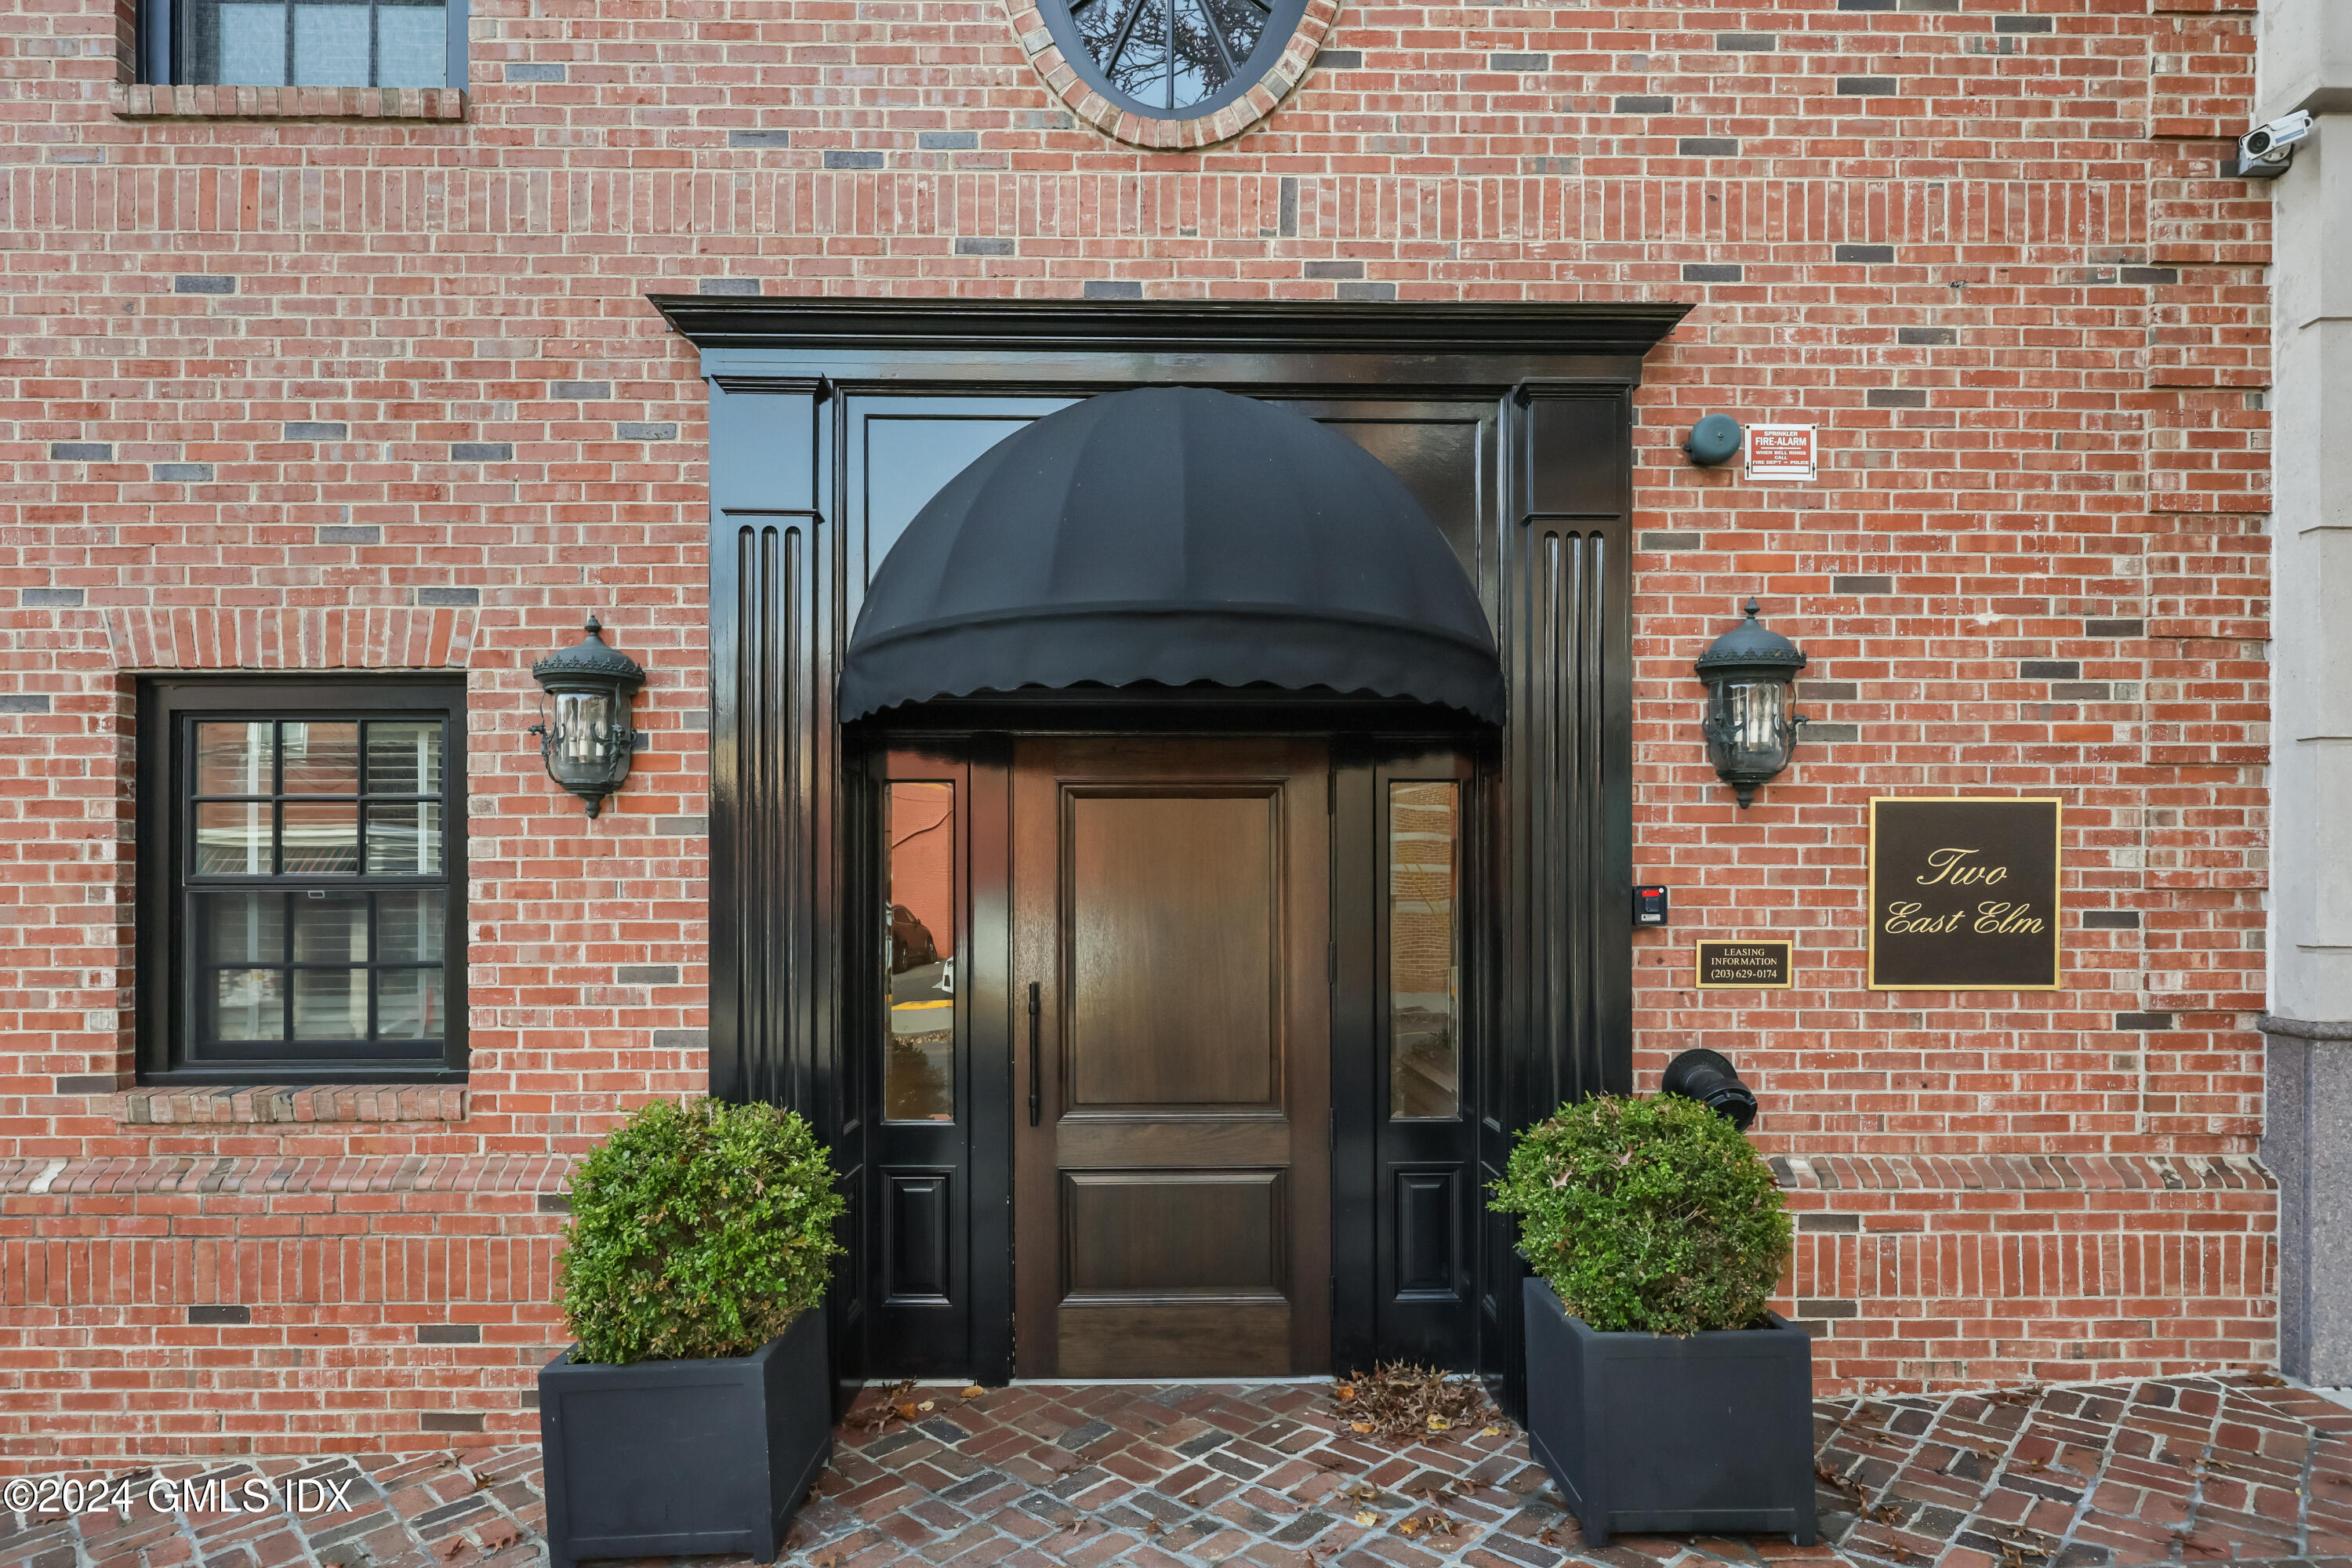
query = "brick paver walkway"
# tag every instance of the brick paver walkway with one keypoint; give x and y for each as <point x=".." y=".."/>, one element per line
<point x="2181" y="1469"/>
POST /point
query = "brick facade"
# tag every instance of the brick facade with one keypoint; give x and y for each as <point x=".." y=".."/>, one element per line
<point x="320" y="380"/>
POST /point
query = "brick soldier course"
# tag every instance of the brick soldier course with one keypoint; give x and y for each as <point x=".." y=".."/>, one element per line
<point x="328" y="380"/>
<point x="2186" y="1469"/>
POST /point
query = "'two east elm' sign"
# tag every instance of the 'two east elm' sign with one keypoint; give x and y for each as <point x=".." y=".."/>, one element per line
<point x="1964" y="893"/>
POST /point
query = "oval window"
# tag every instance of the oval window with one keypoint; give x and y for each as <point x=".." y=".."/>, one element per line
<point x="1172" y="60"/>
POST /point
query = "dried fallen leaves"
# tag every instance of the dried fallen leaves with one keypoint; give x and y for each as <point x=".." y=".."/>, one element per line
<point x="897" y="1404"/>
<point x="1399" y="1402"/>
<point x="1851" y="1490"/>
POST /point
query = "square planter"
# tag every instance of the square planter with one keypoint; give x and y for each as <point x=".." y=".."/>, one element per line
<point x="663" y="1458"/>
<point x="1710" y="1435"/>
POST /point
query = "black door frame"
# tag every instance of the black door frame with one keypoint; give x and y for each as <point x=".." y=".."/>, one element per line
<point x="785" y="583"/>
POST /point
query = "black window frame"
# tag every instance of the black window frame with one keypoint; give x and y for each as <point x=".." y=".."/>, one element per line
<point x="169" y="706"/>
<point x="165" y="52"/>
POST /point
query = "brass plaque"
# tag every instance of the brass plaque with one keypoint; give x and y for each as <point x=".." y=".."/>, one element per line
<point x="1964" y="893"/>
<point x="1745" y="966"/>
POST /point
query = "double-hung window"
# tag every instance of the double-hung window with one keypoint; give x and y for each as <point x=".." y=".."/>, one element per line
<point x="304" y="43"/>
<point x="302" y="881"/>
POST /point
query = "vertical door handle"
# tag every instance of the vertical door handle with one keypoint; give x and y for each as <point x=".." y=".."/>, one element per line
<point x="1036" y="1069"/>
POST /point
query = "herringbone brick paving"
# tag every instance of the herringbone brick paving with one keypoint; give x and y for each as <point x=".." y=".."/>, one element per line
<point x="1043" y="1475"/>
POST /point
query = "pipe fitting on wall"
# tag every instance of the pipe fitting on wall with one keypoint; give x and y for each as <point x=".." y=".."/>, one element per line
<point x="1710" y="1077"/>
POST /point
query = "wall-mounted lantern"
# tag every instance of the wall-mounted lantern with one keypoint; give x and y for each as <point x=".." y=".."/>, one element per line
<point x="1710" y="1077"/>
<point x="1714" y="440"/>
<point x="1750" y="671"/>
<point x="588" y="740"/>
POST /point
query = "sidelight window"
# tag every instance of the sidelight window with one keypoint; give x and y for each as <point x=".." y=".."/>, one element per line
<point x="1424" y="957"/>
<point x="920" y="991"/>
<point x="305" y="861"/>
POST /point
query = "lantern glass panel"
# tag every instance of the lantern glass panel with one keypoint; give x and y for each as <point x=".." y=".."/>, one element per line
<point x="1748" y="732"/>
<point x="586" y="748"/>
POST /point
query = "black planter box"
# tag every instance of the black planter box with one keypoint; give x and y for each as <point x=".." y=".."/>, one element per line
<point x="663" y="1458"/>
<point x="1709" y="1435"/>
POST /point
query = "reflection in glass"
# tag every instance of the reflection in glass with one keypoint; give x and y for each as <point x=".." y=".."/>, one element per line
<point x="408" y="926"/>
<point x="331" y="1004"/>
<point x="331" y="928"/>
<point x="331" y="46"/>
<point x="1169" y="53"/>
<point x="243" y="928"/>
<point x="306" y="962"/>
<point x="408" y="1004"/>
<point x="411" y="46"/>
<point x="404" y="840"/>
<point x="1424" y="1051"/>
<point x="321" y="759"/>
<point x="403" y="759"/>
<point x="232" y="759"/>
<point x="247" y="1004"/>
<point x="249" y="43"/>
<point x="918" y="880"/>
<point x="319" y="840"/>
<point x="233" y="839"/>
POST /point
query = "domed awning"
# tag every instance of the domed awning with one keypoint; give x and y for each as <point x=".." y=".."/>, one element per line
<point x="1173" y="536"/>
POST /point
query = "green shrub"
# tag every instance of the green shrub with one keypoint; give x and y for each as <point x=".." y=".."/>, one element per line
<point x="1650" y="1216"/>
<point x="697" y="1230"/>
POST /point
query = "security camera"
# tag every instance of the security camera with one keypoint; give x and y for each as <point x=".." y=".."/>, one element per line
<point x="2264" y="151"/>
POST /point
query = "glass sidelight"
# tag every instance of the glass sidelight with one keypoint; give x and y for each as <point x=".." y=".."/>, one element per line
<point x="1425" y="940"/>
<point x="920" y="907"/>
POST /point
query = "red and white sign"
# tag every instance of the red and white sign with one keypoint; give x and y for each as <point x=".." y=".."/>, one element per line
<point x="1788" y="452"/>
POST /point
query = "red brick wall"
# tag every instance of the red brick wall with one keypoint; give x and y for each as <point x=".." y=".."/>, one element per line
<point x="2005" y="282"/>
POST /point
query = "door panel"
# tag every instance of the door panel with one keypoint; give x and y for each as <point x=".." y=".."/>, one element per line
<point x="1173" y="907"/>
<point x="1170" y="907"/>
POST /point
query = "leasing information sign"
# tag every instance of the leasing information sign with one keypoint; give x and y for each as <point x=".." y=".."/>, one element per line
<point x="1964" y="893"/>
<point x="1744" y="966"/>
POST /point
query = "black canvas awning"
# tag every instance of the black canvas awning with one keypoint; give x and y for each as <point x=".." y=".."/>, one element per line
<point x="1173" y="536"/>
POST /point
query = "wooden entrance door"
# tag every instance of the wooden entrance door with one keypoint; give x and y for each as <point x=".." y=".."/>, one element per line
<point x="1171" y="1212"/>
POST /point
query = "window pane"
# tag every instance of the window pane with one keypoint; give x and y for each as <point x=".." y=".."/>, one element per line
<point x="249" y="43"/>
<point x="331" y="1004"/>
<point x="247" y="1004"/>
<point x="1423" y="1049"/>
<point x="404" y="759"/>
<point x="322" y="759"/>
<point x="404" y="840"/>
<point x="233" y="840"/>
<point x="243" y="928"/>
<point x="411" y="46"/>
<point x="918" y="1065"/>
<point x="331" y="46"/>
<point x="408" y="926"/>
<point x="320" y="840"/>
<point x="331" y="928"/>
<point x="232" y="759"/>
<point x="408" y="1005"/>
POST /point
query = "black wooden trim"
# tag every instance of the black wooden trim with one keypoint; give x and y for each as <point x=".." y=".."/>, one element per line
<point x="1355" y="1083"/>
<point x="1551" y="833"/>
<point x="159" y="1013"/>
<point x="1251" y="326"/>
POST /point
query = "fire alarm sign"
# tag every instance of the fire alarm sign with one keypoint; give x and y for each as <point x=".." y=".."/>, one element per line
<point x="1782" y="452"/>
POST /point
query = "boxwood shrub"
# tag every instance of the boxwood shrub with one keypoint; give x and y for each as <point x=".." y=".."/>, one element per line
<point x="1649" y="1215"/>
<point x="700" y="1229"/>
